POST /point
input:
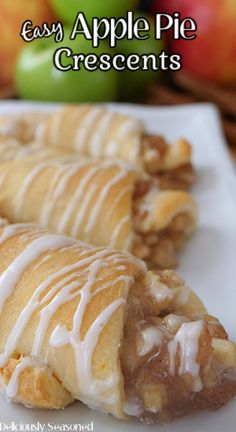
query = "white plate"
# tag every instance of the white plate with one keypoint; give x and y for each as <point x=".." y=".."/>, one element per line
<point x="208" y="262"/>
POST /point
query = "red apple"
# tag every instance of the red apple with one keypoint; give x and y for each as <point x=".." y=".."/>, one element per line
<point x="12" y="14"/>
<point x="212" y="55"/>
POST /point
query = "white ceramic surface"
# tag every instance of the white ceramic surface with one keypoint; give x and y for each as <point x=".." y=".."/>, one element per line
<point x="208" y="262"/>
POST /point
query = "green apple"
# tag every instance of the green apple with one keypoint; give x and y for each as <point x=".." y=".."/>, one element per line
<point x="38" y="79"/>
<point x="68" y="9"/>
<point x="134" y="83"/>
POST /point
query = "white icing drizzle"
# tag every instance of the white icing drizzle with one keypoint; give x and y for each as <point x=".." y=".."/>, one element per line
<point x="160" y="291"/>
<point x="64" y="294"/>
<point x="126" y="190"/>
<point x="11" y="275"/>
<point x="135" y="149"/>
<point x="77" y="279"/>
<point x="133" y="408"/>
<point x="45" y="259"/>
<point x="132" y="130"/>
<point x="3" y="222"/>
<point x="118" y="229"/>
<point x="84" y="128"/>
<point x="77" y="198"/>
<point x="40" y="131"/>
<point x="147" y="202"/>
<point x="13" y="384"/>
<point x="32" y="305"/>
<point x="3" y="177"/>
<point x="9" y="124"/>
<point x="91" y="124"/>
<point x="183" y="296"/>
<point x="129" y="238"/>
<point x="129" y="241"/>
<point x="112" y="148"/>
<point x="58" y="191"/>
<point x="76" y="248"/>
<point x="84" y="348"/>
<point x="82" y="209"/>
<point x="151" y="337"/>
<point x="100" y="131"/>
<point x="174" y="321"/>
<point x="62" y="176"/>
<point x="31" y="235"/>
<point x="56" y="122"/>
<point x="67" y="176"/>
<point x="25" y="186"/>
<point x="12" y="230"/>
<point x="12" y="150"/>
<point x="49" y="202"/>
<point x="129" y="126"/>
<point x="186" y="342"/>
<point x="104" y="193"/>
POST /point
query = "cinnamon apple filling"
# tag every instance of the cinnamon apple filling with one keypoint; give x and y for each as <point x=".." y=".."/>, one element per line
<point x="175" y="358"/>
<point x="170" y="163"/>
<point x="158" y="241"/>
<point x="181" y="177"/>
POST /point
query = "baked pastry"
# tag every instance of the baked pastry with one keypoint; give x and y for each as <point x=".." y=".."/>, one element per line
<point x="11" y="149"/>
<point x="93" y="131"/>
<point x="21" y="127"/>
<point x="91" y="324"/>
<point x="102" y="202"/>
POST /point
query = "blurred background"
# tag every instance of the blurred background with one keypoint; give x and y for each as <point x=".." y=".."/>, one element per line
<point x="209" y="62"/>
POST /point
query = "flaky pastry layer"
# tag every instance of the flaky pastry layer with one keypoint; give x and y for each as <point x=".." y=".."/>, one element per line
<point x="103" y="202"/>
<point x="79" y="322"/>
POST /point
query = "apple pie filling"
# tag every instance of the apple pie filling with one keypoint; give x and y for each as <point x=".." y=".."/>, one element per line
<point x="175" y="358"/>
<point x="162" y="160"/>
<point x="157" y="243"/>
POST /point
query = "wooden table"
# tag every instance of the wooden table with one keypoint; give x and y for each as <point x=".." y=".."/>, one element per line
<point x="180" y="88"/>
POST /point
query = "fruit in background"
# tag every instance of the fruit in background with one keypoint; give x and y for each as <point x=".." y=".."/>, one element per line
<point x="37" y="78"/>
<point x="67" y="9"/>
<point x="134" y="83"/>
<point x="212" y="55"/>
<point x="12" y="14"/>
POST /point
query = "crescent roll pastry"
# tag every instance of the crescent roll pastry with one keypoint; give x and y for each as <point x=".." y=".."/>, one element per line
<point x="11" y="149"/>
<point x="102" y="202"/>
<point x="86" y="323"/>
<point x="97" y="132"/>
<point x="90" y="130"/>
<point x="21" y="127"/>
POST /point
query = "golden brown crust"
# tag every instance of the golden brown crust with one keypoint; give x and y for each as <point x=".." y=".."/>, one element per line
<point x="12" y="149"/>
<point x="89" y="264"/>
<point x="37" y="387"/>
<point x="65" y="308"/>
<point x="96" y="202"/>
<point x="21" y="127"/>
<point x="92" y="131"/>
<point x="165" y="207"/>
<point x="38" y="196"/>
<point x="169" y="157"/>
<point x="115" y="135"/>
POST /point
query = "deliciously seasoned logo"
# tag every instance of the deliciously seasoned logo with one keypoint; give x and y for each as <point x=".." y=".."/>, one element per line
<point x="41" y="427"/>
